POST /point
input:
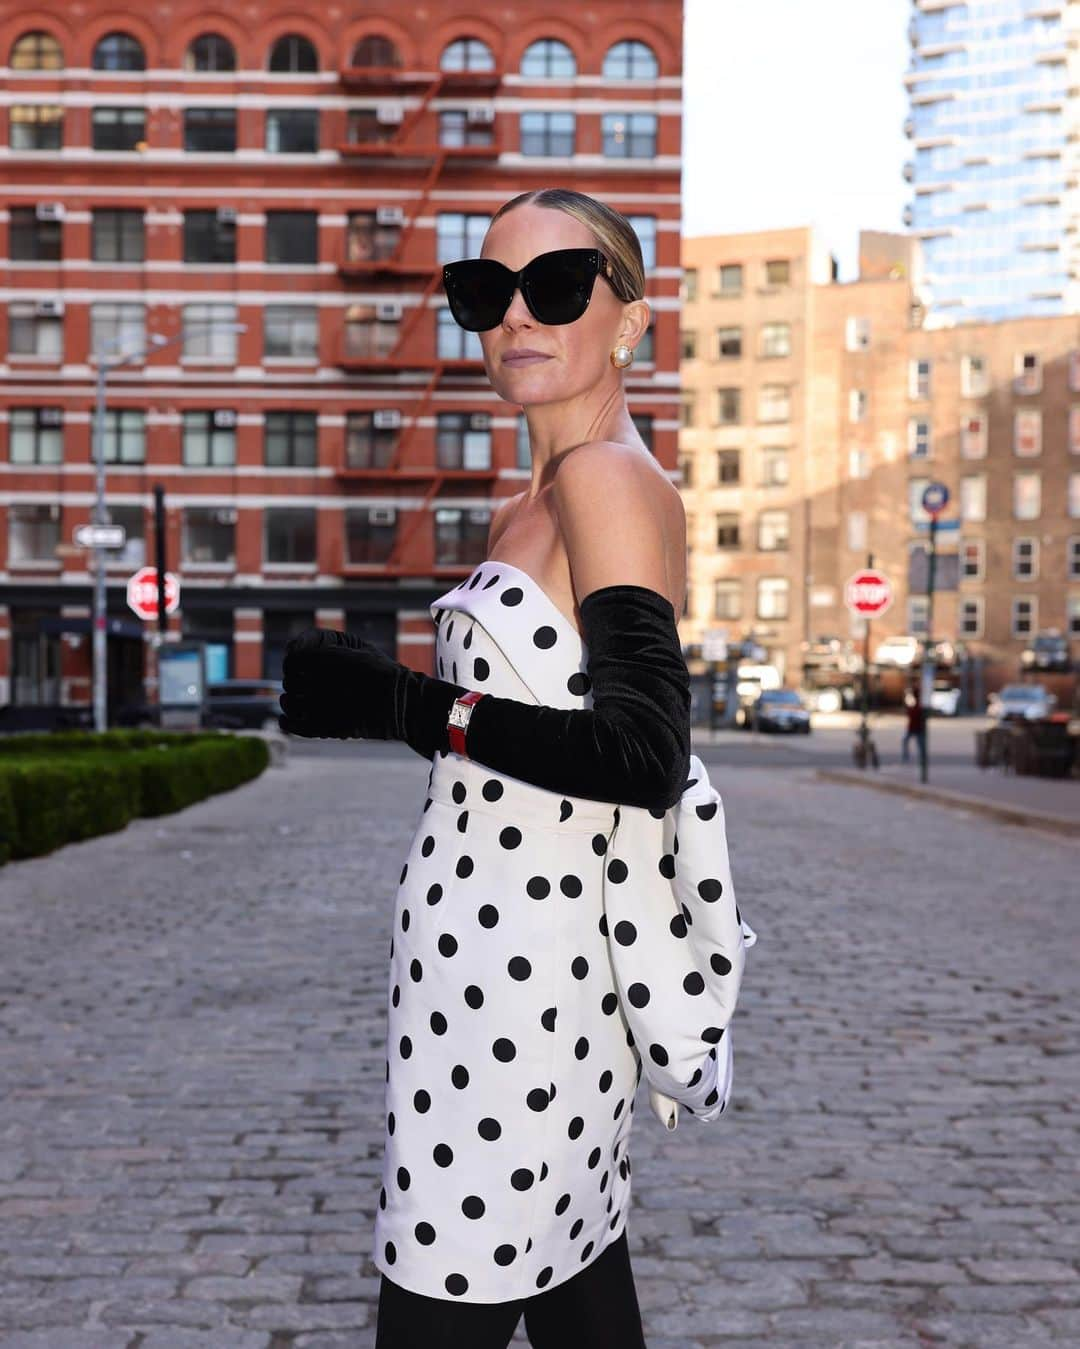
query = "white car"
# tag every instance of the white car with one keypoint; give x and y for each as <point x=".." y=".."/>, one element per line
<point x="945" y="702"/>
<point x="1030" y="701"/>
<point x="897" y="651"/>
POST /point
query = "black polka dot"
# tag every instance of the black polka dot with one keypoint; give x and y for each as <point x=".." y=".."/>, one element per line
<point x="707" y="811"/>
<point x="438" y="1023"/>
<point x="565" y="810"/>
<point x="447" y="944"/>
<point x="594" y="1159"/>
<point x="487" y="915"/>
<point x="579" y="684"/>
<point x="456" y="1284"/>
<point x="712" y="1034"/>
<point x="391" y="1252"/>
<point x="505" y="1255"/>
<point x="504" y="1050"/>
<point x="510" y="837"/>
<point x="404" y="873"/>
<point x="416" y="971"/>
<point x="489" y="1129"/>
<point x="425" y="1233"/>
<point x="694" y="984"/>
<point x="422" y="1102"/>
<point x="547" y="1018"/>
<point x="481" y="669"/>
<point x="606" y="1080"/>
<point x="579" y="967"/>
<point x="404" y="1180"/>
<point x="522" y="1178"/>
<point x="544" y="1277"/>
<point x="464" y="866"/>
<point x="460" y="1076"/>
<point x="616" y="870"/>
<point x="428" y="846"/>
<point x="492" y="580"/>
<point x="608" y="1003"/>
<point x="677" y="926"/>
<point x="405" y="1046"/>
<point x="639" y="995"/>
<point x="474" y="996"/>
<point x="659" y="1055"/>
<point x="457" y="791"/>
<point x="512" y="596"/>
<point x="720" y="964"/>
<point x="576" y="1127"/>
<point x="391" y="1123"/>
<point x="570" y="886"/>
<point x="586" y="1251"/>
<point x="473" y="1206"/>
<point x="625" y="933"/>
<point x="443" y="1154"/>
<point x="491" y="790"/>
<point x="468" y="640"/>
<point x="519" y="968"/>
<point x="544" y="637"/>
<point x="562" y="1205"/>
<point x="434" y="893"/>
<point x="538" y="887"/>
<point x="710" y="889"/>
<point x="537" y="1099"/>
<point x="581" y="1048"/>
<point x="575" y="1230"/>
<point x="599" y="844"/>
<point x="462" y="821"/>
<point x="667" y="866"/>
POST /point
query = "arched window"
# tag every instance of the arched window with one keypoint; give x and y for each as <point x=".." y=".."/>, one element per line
<point x="292" y="55"/>
<point x="210" y="51"/>
<point x="631" y="60"/>
<point x="119" y="51"/>
<point x="36" y="51"/>
<point x="467" y="53"/>
<point x="375" y="51"/>
<point x="548" y="59"/>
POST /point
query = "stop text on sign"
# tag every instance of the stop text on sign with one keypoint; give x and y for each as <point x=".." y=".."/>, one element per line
<point x="868" y="593"/>
<point x="142" y="592"/>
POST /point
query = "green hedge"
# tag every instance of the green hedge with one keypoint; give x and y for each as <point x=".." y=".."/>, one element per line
<point x="57" y="789"/>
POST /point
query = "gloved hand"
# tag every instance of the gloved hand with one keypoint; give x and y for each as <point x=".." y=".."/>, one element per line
<point x="339" y="686"/>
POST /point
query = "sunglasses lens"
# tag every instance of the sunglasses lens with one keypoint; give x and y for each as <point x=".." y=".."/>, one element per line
<point x="478" y="290"/>
<point x="559" y="284"/>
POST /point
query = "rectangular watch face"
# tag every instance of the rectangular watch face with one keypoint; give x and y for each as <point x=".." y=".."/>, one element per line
<point x="459" y="716"/>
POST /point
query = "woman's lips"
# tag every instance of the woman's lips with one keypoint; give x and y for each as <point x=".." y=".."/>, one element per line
<point x="524" y="359"/>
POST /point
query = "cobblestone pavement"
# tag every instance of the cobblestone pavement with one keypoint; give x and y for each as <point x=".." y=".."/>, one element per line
<point x="192" y="1016"/>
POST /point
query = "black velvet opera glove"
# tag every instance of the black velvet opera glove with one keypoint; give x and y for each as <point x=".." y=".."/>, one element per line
<point x="631" y="747"/>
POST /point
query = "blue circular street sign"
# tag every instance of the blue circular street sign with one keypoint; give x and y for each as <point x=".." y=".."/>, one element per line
<point x="935" y="498"/>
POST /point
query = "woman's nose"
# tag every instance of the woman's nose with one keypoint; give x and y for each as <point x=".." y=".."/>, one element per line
<point x="517" y="311"/>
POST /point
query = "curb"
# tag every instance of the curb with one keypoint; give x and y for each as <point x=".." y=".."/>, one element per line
<point x="1058" y="824"/>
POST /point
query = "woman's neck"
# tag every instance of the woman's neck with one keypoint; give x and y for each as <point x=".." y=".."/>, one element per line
<point x="557" y="428"/>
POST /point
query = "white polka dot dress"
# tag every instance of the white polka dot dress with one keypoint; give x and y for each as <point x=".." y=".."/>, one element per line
<point x="511" y="1064"/>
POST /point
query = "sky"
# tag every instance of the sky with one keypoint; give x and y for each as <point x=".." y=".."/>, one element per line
<point x="793" y="115"/>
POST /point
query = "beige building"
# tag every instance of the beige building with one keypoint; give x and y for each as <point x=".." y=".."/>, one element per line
<point x="814" y="414"/>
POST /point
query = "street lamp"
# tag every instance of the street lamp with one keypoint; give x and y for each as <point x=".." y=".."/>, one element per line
<point x="107" y="360"/>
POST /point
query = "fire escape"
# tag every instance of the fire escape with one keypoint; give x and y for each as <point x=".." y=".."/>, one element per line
<point x="398" y="145"/>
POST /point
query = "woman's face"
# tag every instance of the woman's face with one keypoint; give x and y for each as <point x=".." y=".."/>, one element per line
<point x="578" y="353"/>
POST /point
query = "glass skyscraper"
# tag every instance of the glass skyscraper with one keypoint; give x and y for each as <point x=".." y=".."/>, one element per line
<point x="988" y="90"/>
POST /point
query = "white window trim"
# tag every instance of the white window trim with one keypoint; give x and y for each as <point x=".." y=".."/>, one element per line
<point x="968" y="387"/>
<point x="980" y="575"/>
<point x="978" y="602"/>
<point x="1020" y="377"/>
<point x="1033" y="627"/>
<point x="1034" y="542"/>
<point x="1015" y="513"/>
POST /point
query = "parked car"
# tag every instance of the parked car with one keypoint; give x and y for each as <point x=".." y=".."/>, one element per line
<point x="235" y="704"/>
<point x="1021" y="701"/>
<point x="945" y="700"/>
<point x="903" y="650"/>
<point x="776" y="710"/>
<point x="1048" y="650"/>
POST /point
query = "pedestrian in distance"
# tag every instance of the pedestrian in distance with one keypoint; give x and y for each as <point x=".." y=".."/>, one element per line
<point x="916" y="725"/>
<point x="540" y="962"/>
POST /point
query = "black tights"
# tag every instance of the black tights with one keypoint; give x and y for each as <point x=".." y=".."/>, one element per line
<point x="596" y="1308"/>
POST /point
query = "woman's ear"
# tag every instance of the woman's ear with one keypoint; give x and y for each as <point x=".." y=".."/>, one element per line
<point x="635" y="322"/>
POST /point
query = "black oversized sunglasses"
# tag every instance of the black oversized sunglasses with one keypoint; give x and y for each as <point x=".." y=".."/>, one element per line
<point x="557" y="287"/>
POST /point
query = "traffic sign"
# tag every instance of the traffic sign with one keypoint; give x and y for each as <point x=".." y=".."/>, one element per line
<point x="940" y="526"/>
<point x="868" y="593"/>
<point x="142" y="592"/>
<point x="99" y="536"/>
<point x="935" y="498"/>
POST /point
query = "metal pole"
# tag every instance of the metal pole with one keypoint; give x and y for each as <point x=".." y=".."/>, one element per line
<point x="100" y="650"/>
<point x="928" y="663"/>
<point x="864" y="729"/>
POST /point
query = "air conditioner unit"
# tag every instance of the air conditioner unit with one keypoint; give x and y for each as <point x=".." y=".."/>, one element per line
<point x="389" y="114"/>
<point x="389" y="310"/>
<point x="381" y="515"/>
<point x="226" y="215"/>
<point x="909" y="215"/>
<point x="49" y="308"/>
<point x="389" y="215"/>
<point x="225" y="515"/>
<point x="483" y="113"/>
<point x="224" y="417"/>
<point x="49" y="210"/>
<point x="909" y="172"/>
<point x="386" y="419"/>
<point x="480" y="421"/>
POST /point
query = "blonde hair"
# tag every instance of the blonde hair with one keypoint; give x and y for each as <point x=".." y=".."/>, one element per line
<point x="614" y="234"/>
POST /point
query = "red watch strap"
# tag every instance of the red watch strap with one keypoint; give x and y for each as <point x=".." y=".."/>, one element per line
<point x="457" y="735"/>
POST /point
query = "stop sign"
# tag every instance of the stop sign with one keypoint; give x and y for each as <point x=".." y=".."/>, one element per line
<point x="142" y="592"/>
<point x="868" y="593"/>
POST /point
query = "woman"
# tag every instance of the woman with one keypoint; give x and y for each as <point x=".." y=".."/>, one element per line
<point x="561" y="692"/>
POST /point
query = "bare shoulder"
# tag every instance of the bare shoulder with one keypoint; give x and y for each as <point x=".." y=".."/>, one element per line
<point x="500" y="517"/>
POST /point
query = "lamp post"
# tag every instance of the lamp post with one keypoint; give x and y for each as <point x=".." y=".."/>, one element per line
<point x="106" y="362"/>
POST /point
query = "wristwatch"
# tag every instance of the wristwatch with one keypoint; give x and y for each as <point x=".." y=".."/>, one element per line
<point x="458" y="720"/>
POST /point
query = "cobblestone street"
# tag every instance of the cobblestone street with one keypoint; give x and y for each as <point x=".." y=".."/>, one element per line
<point x="192" y="1015"/>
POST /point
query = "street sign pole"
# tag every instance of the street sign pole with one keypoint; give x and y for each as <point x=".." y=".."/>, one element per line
<point x="928" y="659"/>
<point x="864" y="730"/>
<point x="101" y="517"/>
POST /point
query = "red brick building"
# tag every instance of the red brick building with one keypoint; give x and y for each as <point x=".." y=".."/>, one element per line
<point x="170" y="176"/>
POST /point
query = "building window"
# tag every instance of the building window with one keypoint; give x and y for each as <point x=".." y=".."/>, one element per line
<point x="210" y="236"/>
<point x="687" y="344"/>
<point x="210" y="130"/>
<point x="919" y="440"/>
<point x="973" y="496"/>
<point x="774" y="403"/>
<point x="728" y="342"/>
<point x="686" y="470"/>
<point x="461" y="535"/>
<point x="1028" y="374"/>
<point x="727" y="601"/>
<point x="125" y="436"/>
<point x="773" y="531"/>
<point x="370" y="534"/>
<point x="523" y="449"/>
<point x="291" y="331"/>
<point x="1072" y="615"/>
<point x="973" y="438"/>
<point x="974" y="376"/>
<point x="36" y="436"/>
<point x="117" y="328"/>
<point x="118" y="236"/>
<point x="1073" y="558"/>
<point x="687" y="407"/>
<point x="459" y="235"/>
<point x="209" y="333"/>
<point x="210" y="52"/>
<point x="458" y="127"/>
<point x="916" y="514"/>
<point x="36" y="126"/>
<point x="857" y="334"/>
<point x="463" y="440"/>
<point x="292" y="238"/>
<point x="629" y="135"/>
<point x="857" y="405"/>
<point x="367" y="239"/>
<point x="973" y="559"/>
<point x="371" y="438"/>
<point x="777" y="272"/>
<point x="643" y="424"/>
<point x="775" y="462"/>
<point x="1025" y="559"/>
<point x="31" y="333"/>
<point x="856" y="531"/>
<point x="209" y="535"/>
<point x="293" y="54"/>
<point x="367" y="334"/>
<point x="365" y="127"/>
<point x="290" y="440"/>
<point x="728" y="406"/>
<point x="1027" y="433"/>
<point x="118" y="128"/>
<point x="727" y="467"/>
<point x="33" y="238"/>
<point x="775" y="339"/>
<point x="33" y="532"/>
<point x="548" y="59"/>
<point x="971" y="616"/>
<point x="772" y="597"/>
<point x="133" y="521"/>
<point x="209" y="439"/>
<point x="919" y="379"/>
<point x="689" y="284"/>
<point x="1023" y="615"/>
<point x="118" y="51"/>
<point x="549" y="134"/>
<point x="292" y="131"/>
<point x="630" y="60"/>
<point x="645" y="351"/>
<point x="453" y="343"/>
<point x="37" y="50"/>
<point x="729" y="279"/>
<point x="645" y="229"/>
<point x="1027" y="496"/>
<point x="918" y="608"/>
<point x="727" y="531"/>
<point x="289" y="534"/>
<point x="375" y="52"/>
<point x="467" y="53"/>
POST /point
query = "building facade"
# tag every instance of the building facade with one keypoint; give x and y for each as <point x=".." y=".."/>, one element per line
<point x="261" y="205"/>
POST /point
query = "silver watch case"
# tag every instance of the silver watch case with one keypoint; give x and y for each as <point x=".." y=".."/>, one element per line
<point x="460" y="713"/>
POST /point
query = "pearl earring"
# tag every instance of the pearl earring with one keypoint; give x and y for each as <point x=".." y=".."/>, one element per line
<point x="622" y="356"/>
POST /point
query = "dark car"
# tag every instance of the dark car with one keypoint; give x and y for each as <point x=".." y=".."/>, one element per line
<point x="777" y="710"/>
<point x="1047" y="651"/>
<point x="236" y="704"/>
